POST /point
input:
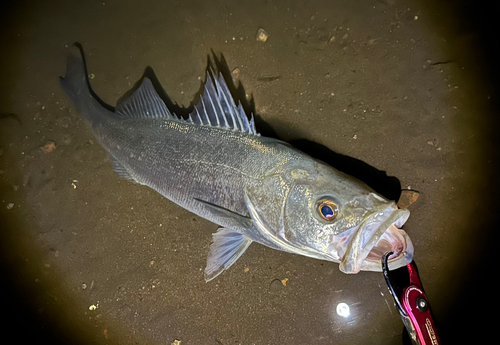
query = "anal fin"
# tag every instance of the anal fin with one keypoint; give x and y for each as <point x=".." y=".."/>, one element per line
<point x="122" y="171"/>
<point x="228" y="245"/>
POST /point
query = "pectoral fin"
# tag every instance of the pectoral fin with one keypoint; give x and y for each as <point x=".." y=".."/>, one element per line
<point x="231" y="219"/>
<point x="228" y="245"/>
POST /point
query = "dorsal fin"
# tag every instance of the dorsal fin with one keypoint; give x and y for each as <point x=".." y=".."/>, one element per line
<point x="144" y="103"/>
<point x="216" y="108"/>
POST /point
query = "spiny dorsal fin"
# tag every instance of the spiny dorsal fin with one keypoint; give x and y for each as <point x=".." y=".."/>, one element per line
<point x="144" y="103"/>
<point x="217" y="108"/>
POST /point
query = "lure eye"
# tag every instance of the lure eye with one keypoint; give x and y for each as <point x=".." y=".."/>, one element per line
<point x="327" y="209"/>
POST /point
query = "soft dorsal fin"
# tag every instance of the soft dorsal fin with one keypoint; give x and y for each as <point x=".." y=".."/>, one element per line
<point x="217" y="108"/>
<point x="144" y="103"/>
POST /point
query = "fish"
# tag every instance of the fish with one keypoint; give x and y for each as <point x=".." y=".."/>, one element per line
<point x="215" y="164"/>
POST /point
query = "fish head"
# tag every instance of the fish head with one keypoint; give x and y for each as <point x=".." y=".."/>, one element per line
<point x="344" y="220"/>
<point x="329" y="215"/>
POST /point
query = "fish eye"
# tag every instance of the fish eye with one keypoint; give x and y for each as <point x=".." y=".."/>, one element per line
<point x="327" y="209"/>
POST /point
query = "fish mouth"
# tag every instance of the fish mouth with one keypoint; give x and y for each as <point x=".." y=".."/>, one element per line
<point x="378" y="234"/>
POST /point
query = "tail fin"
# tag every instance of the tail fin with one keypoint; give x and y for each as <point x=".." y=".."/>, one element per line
<point x="76" y="85"/>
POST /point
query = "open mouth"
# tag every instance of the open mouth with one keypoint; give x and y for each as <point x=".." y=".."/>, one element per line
<point x="378" y="234"/>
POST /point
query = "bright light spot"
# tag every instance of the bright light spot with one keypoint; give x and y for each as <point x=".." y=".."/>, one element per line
<point x="343" y="309"/>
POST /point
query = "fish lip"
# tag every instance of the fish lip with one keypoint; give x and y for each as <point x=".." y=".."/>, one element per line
<point x="380" y="232"/>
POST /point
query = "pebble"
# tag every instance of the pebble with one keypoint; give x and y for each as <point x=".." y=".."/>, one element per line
<point x="261" y="35"/>
<point x="276" y="285"/>
<point x="10" y="206"/>
<point x="407" y="198"/>
<point x="48" y="147"/>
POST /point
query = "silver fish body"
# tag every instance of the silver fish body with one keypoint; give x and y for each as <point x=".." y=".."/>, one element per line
<point x="258" y="189"/>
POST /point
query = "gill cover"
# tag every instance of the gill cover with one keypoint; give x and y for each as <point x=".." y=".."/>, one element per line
<point x="280" y="206"/>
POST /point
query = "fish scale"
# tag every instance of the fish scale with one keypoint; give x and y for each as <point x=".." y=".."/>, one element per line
<point x="167" y="152"/>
